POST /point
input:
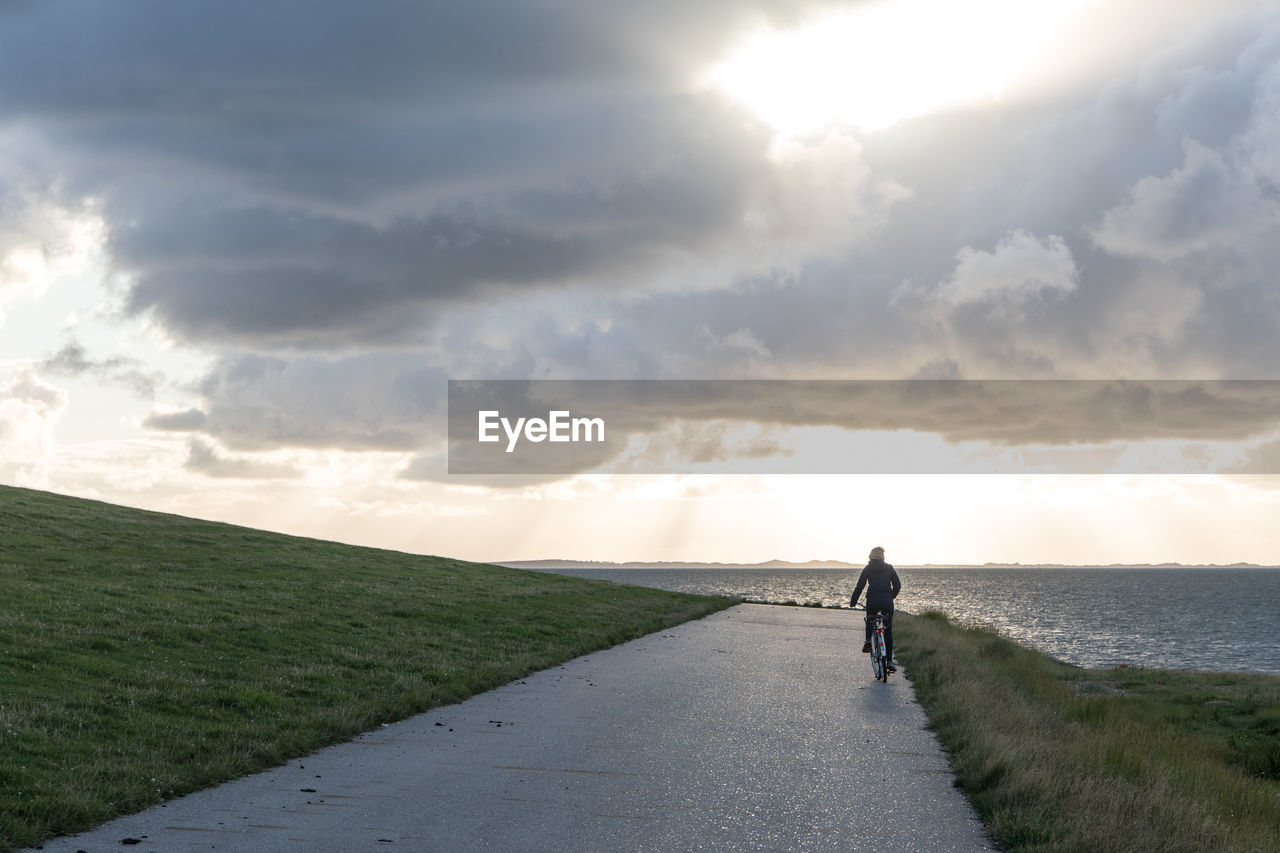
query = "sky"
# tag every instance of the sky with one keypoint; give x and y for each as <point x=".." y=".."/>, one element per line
<point x="244" y="247"/>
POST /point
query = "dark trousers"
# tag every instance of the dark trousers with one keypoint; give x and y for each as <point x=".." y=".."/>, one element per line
<point x="888" y="626"/>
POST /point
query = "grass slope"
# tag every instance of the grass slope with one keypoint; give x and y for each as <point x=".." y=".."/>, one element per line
<point x="143" y="656"/>
<point x="1058" y="758"/>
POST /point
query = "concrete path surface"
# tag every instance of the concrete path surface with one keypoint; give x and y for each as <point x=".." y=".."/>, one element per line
<point x="759" y="728"/>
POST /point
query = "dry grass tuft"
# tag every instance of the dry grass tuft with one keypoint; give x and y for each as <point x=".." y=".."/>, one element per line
<point x="1055" y="758"/>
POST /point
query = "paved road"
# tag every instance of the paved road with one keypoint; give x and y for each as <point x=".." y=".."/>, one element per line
<point x="755" y="729"/>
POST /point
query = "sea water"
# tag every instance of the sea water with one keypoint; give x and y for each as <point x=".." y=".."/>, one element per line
<point x="1170" y="618"/>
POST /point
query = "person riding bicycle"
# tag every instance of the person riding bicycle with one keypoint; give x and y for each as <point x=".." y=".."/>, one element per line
<point x="883" y="585"/>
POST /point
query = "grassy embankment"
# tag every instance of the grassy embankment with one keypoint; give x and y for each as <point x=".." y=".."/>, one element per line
<point x="143" y="655"/>
<point x="1058" y="758"/>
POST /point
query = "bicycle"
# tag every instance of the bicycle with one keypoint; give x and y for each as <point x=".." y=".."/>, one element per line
<point x="879" y="655"/>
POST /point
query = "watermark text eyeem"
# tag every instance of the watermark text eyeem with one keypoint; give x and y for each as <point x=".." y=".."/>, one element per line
<point x="559" y="426"/>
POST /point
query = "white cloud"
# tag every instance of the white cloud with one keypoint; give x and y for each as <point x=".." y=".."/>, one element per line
<point x="740" y="343"/>
<point x="41" y="241"/>
<point x="1020" y="268"/>
<point x="1210" y="202"/>
<point x="29" y="410"/>
<point x="819" y="196"/>
<point x="1260" y="143"/>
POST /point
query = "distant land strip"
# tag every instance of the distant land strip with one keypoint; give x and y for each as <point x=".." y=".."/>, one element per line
<point x="840" y="564"/>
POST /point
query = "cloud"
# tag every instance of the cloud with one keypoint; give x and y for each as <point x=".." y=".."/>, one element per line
<point x="373" y="402"/>
<point x="821" y="196"/>
<point x="333" y="181"/>
<point x="30" y="408"/>
<point x="1201" y="232"/>
<point x="42" y="239"/>
<point x="1209" y="203"/>
<point x="204" y="458"/>
<point x="1263" y="458"/>
<point x="186" y="420"/>
<point x="741" y="343"/>
<point x="1257" y="144"/>
<point x="1152" y="180"/>
<point x="999" y="312"/>
<point x="352" y="206"/>
<point x="74" y="360"/>
<point x="1020" y="268"/>
<point x="277" y="276"/>
<point x="684" y="198"/>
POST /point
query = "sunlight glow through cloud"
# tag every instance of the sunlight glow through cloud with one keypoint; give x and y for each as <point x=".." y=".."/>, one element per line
<point x="877" y="65"/>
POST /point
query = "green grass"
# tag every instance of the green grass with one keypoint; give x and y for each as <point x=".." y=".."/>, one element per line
<point x="1058" y="758"/>
<point x="143" y="656"/>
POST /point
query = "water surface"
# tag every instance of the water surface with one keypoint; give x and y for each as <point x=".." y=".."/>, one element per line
<point x="1181" y="618"/>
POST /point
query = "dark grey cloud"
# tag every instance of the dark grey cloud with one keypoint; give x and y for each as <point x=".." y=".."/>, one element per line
<point x="272" y="63"/>
<point x="275" y="272"/>
<point x="278" y="277"/>
<point x="310" y="173"/>
<point x="254" y="60"/>
<point x="281" y="271"/>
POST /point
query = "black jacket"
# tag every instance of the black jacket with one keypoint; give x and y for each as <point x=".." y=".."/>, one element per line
<point x="882" y="584"/>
